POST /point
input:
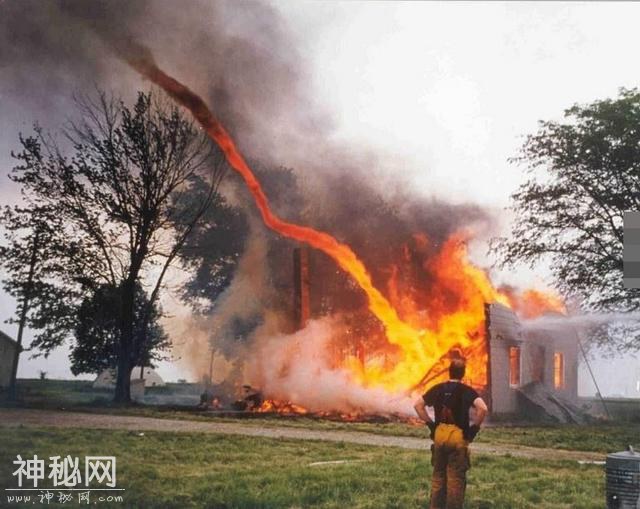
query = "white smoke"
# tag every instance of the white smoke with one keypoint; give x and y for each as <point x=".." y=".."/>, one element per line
<point x="297" y="368"/>
<point x="581" y="320"/>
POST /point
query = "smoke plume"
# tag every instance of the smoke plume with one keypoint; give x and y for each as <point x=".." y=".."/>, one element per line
<point x="297" y="368"/>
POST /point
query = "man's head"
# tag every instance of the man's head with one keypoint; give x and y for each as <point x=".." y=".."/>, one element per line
<point x="456" y="369"/>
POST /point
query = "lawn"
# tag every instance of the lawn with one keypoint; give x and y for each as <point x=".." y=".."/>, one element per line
<point x="80" y="396"/>
<point x="181" y="470"/>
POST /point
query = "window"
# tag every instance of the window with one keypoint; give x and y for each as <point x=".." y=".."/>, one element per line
<point x="558" y="370"/>
<point x="514" y="366"/>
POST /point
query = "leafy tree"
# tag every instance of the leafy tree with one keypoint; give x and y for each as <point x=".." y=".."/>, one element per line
<point x="97" y="332"/>
<point x="584" y="172"/>
<point x="120" y="189"/>
<point x="211" y="253"/>
<point x="29" y="260"/>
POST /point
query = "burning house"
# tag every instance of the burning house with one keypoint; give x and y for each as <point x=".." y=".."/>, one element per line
<point x="531" y="370"/>
<point x="519" y="369"/>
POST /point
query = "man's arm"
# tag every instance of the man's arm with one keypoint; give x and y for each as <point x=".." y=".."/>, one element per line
<point x="421" y="411"/>
<point x="481" y="411"/>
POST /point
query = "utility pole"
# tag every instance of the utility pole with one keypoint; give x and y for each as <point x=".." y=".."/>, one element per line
<point x="593" y="377"/>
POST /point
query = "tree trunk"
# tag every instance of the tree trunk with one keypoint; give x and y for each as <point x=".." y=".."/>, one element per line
<point x="123" y="380"/>
<point x="125" y="364"/>
<point x="13" y="385"/>
<point x="26" y="298"/>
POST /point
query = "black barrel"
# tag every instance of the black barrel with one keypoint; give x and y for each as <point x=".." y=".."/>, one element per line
<point x="623" y="480"/>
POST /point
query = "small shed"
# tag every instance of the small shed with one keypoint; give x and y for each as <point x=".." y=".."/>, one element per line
<point x="8" y="349"/>
<point x="107" y="379"/>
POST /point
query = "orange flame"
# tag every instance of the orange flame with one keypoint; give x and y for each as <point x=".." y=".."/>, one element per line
<point x="532" y="303"/>
<point x="455" y="298"/>
<point x="273" y="406"/>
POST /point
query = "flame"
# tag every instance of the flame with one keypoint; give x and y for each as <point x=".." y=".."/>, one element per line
<point x="532" y="303"/>
<point x="280" y="407"/>
<point x="447" y="313"/>
<point x="424" y="324"/>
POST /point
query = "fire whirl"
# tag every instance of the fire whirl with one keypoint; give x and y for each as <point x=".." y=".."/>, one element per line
<point x="421" y="343"/>
<point x="419" y="351"/>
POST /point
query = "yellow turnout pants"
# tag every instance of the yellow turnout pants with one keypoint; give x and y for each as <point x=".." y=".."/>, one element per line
<point x="450" y="460"/>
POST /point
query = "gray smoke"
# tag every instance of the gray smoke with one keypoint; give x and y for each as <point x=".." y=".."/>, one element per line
<point x="242" y="58"/>
<point x="239" y="55"/>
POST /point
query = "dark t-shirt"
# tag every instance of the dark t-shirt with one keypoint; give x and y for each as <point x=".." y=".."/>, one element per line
<point x="441" y="394"/>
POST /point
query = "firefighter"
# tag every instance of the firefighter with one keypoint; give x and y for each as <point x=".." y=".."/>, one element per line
<point x="459" y="412"/>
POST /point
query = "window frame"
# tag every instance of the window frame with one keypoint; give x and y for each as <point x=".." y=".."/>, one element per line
<point x="559" y="371"/>
<point x="518" y="351"/>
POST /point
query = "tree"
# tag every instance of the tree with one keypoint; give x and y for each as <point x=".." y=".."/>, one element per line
<point x="584" y="172"/>
<point x="97" y="332"/>
<point x="211" y="253"/>
<point x="216" y="245"/>
<point x="29" y="259"/>
<point x="122" y="198"/>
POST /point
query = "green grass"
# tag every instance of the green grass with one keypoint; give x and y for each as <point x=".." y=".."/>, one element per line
<point x="597" y="438"/>
<point x="81" y="396"/>
<point x="79" y="393"/>
<point x="181" y="470"/>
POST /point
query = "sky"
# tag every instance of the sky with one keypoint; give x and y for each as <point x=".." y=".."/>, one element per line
<point x="442" y="92"/>
<point x="450" y="89"/>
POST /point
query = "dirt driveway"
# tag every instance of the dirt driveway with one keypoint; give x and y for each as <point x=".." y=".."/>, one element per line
<point x="10" y="417"/>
